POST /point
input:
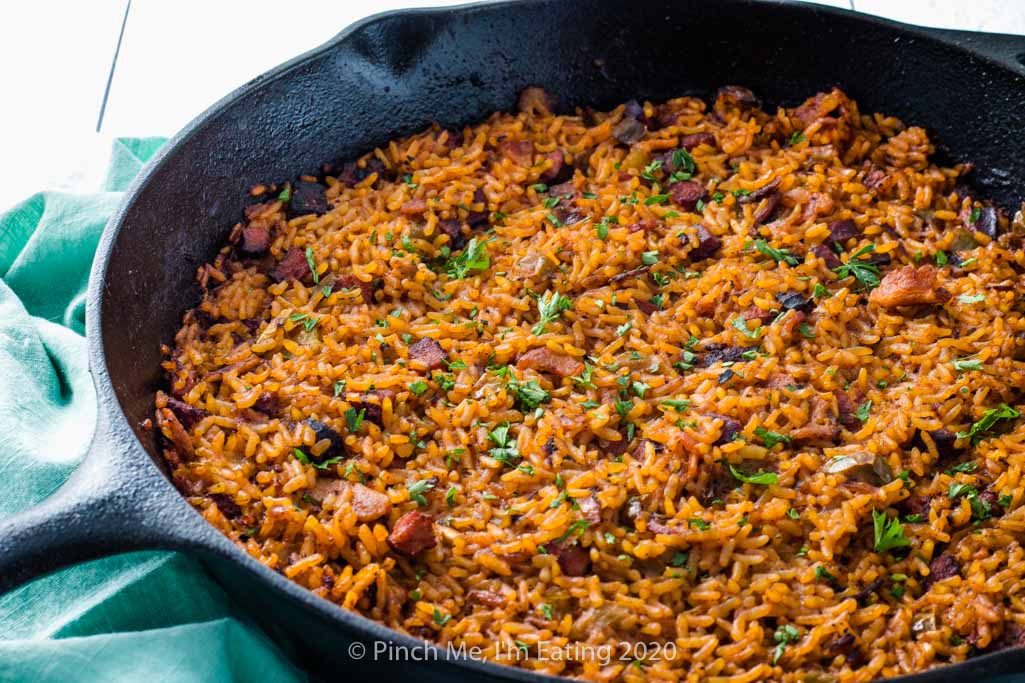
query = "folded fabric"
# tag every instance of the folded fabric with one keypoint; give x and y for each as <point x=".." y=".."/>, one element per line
<point x="151" y="616"/>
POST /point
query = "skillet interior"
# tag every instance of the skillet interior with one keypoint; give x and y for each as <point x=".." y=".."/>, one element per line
<point x="395" y="74"/>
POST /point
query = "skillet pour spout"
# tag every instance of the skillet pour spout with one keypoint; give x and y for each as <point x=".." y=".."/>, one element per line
<point x="394" y="74"/>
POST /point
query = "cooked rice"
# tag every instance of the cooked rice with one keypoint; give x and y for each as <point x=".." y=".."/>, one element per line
<point x="732" y="581"/>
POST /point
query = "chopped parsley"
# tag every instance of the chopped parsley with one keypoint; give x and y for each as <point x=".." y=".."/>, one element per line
<point x="418" y="387"/>
<point x="783" y="636"/>
<point x="986" y="422"/>
<point x="741" y="324"/>
<point x="678" y="404"/>
<point x="888" y="533"/>
<point x="312" y="264"/>
<point x="770" y="438"/>
<point x="777" y="255"/>
<point x="441" y="619"/>
<point x="419" y="488"/>
<point x="863" y="411"/>
<point x="473" y="258"/>
<point x="763" y="478"/>
<point x="820" y="292"/>
<point x="549" y="307"/>
<point x="529" y="395"/>
<point x="865" y="272"/>
<point x="656" y="199"/>
<point x="286" y="194"/>
<point x="353" y="419"/>
<point x="967" y="364"/>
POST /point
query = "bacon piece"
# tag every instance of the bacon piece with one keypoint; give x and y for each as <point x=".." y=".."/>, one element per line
<point x="520" y="151"/>
<point x="544" y="360"/>
<point x="573" y="560"/>
<point x="909" y="286"/>
<point x="687" y="193"/>
<point x="369" y="504"/>
<point x="292" y="266"/>
<point x="689" y="142"/>
<point x="412" y="534"/>
<point x="485" y="597"/>
<point x="351" y="282"/>
<point x="942" y="567"/>
<point x="428" y="351"/>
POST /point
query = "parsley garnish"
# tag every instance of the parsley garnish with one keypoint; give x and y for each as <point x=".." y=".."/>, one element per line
<point x="528" y="394"/>
<point x="783" y="636"/>
<point x="312" y="264"/>
<point x="770" y="438"/>
<point x="418" y="387"/>
<point x="286" y="194"/>
<point x="967" y="364"/>
<point x="777" y="255"/>
<point x="888" y="533"/>
<point x="763" y="478"/>
<point x="549" y="307"/>
<point x="473" y="258"/>
<point x="865" y="272"/>
<point x="741" y="324"/>
<point x="986" y="422"/>
<point x="419" y="488"/>
<point x="863" y="411"/>
<point x="353" y="419"/>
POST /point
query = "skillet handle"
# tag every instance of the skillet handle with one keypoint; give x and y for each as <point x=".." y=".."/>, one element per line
<point x="1006" y="49"/>
<point x="96" y="513"/>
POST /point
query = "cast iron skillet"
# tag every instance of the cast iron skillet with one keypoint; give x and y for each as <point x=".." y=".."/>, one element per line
<point x="394" y="74"/>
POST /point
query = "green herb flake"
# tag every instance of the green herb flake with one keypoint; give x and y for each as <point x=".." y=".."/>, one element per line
<point x="770" y="438"/>
<point x="419" y="488"/>
<point x="353" y="419"/>
<point x="418" y="387"/>
<point x="987" y="421"/>
<point x="762" y="478"/>
<point x="473" y="258"/>
<point x="441" y="619"/>
<point x="778" y="255"/>
<point x="312" y="264"/>
<point x="863" y="411"/>
<point x="969" y="364"/>
<point x="941" y="258"/>
<point x="887" y="533"/>
<point x="741" y="324"/>
<point x="550" y="306"/>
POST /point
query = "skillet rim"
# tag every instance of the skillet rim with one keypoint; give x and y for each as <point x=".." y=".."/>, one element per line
<point x="194" y="533"/>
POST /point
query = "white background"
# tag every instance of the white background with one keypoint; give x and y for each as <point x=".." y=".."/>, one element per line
<point x="179" y="56"/>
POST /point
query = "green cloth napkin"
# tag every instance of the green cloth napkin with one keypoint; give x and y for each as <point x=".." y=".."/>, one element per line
<point x="147" y="616"/>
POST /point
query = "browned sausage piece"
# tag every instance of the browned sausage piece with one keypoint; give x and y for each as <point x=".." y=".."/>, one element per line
<point x="412" y="534"/>
<point x="735" y="96"/>
<point x="352" y="282"/>
<point x="369" y="504"/>
<point x="686" y="194"/>
<point x="413" y="207"/>
<point x="573" y="560"/>
<point x="554" y="173"/>
<point x="708" y="245"/>
<point x="292" y="266"/>
<point x="544" y="360"/>
<point x="689" y="142"/>
<point x="454" y="230"/>
<point x="255" y="239"/>
<point x="909" y="286"/>
<point x="308" y="198"/>
<point x="427" y="351"/>
<point x="845" y="408"/>
<point x="828" y="256"/>
<point x="186" y="413"/>
<point x="520" y="151"/>
<point x="485" y="597"/>
<point x="841" y="231"/>
<point x="942" y="567"/>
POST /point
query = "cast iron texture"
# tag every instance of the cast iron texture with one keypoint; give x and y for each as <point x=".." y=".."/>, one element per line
<point x="394" y="74"/>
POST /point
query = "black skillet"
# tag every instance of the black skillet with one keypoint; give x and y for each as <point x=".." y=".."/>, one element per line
<point x="394" y="74"/>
